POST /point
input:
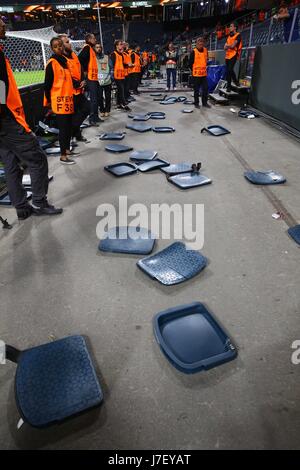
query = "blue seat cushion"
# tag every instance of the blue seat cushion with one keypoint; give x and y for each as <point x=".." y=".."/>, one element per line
<point x="55" y="381"/>
<point x="176" y="168"/>
<point x="121" y="169"/>
<point x="192" y="339"/>
<point x="163" y="129"/>
<point x="264" y="177"/>
<point x="143" y="155"/>
<point x="128" y="240"/>
<point x="189" y="180"/>
<point x="118" y="148"/>
<point x="152" y="165"/>
<point x="215" y="130"/>
<point x="112" y="136"/>
<point x="294" y="232"/>
<point x="139" y="127"/>
<point x="174" y="264"/>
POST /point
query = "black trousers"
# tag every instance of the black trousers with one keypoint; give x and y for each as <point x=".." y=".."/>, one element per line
<point x="82" y="110"/>
<point x="105" y="98"/>
<point x="230" y="73"/>
<point x="120" y="93"/>
<point x="17" y="147"/>
<point x="200" y="82"/>
<point x="127" y="87"/>
<point x="93" y="86"/>
<point x="64" y="124"/>
<point x="135" y="81"/>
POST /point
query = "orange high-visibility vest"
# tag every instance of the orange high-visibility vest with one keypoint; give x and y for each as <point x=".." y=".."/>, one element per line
<point x="13" y="100"/>
<point x="62" y="91"/>
<point x="74" y="66"/>
<point x="145" y="56"/>
<point x="119" y="71"/>
<point x="230" y="53"/>
<point x="127" y="61"/>
<point x="153" y="57"/>
<point x="93" y="66"/>
<point x="137" y="63"/>
<point x="200" y="63"/>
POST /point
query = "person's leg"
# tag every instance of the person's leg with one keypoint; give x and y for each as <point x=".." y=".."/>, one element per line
<point x="126" y="88"/>
<point x="120" y="89"/>
<point x="64" y="124"/>
<point x="82" y="110"/>
<point x="204" y="84"/>
<point x="101" y="99"/>
<point x="13" y="174"/>
<point x="233" y="74"/>
<point x="107" y="91"/>
<point x="25" y="147"/>
<point x="169" y="78"/>
<point x="230" y="63"/>
<point x="196" y="84"/>
<point x="93" y="88"/>
<point x="174" y="78"/>
<point x="135" y="82"/>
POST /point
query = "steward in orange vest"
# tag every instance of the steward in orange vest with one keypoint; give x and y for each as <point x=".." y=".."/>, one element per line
<point x="88" y="60"/>
<point x="81" y="104"/>
<point x="233" y="49"/>
<point x="198" y="65"/>
<point x="136" y="69"/>
<point x="145" y="57"/>
<point x="59" y="97"/>
<point x="19" y="146"/>
<point x="127" y="69"/>
<point x="117" y="60"/>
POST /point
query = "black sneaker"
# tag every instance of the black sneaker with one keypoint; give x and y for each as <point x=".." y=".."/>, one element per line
<point x="46" y="209"/>
<point x="24" y="213"/>
<point x="197" y="106"/>
<point x="206" y="105"/>
<point x="67" y="161"/>
<point x="126" y="108"/>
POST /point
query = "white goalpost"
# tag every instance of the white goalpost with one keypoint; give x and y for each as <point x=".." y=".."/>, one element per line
<point x="29" y="51"/>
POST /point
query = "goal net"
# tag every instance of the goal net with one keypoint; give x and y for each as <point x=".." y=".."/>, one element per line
<point x="29" y="51"/>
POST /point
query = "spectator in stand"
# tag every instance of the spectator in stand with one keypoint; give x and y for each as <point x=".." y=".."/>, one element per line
<point x="287" y="16"/>
<point x="219" y="31"/>
<point x="171" y="57"/>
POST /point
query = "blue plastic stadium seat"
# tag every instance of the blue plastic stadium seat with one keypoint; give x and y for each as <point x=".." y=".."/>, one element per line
<point x="191" y="338"/>
<point x="264" y="177"/>
<point x="132" y="240"/>
<point x="55" y="381"/>
<point x="174" y="264"/>
<point x="294" y="232"/>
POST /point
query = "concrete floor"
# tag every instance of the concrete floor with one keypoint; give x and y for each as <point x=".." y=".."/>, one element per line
<point x="55" y="283"/>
